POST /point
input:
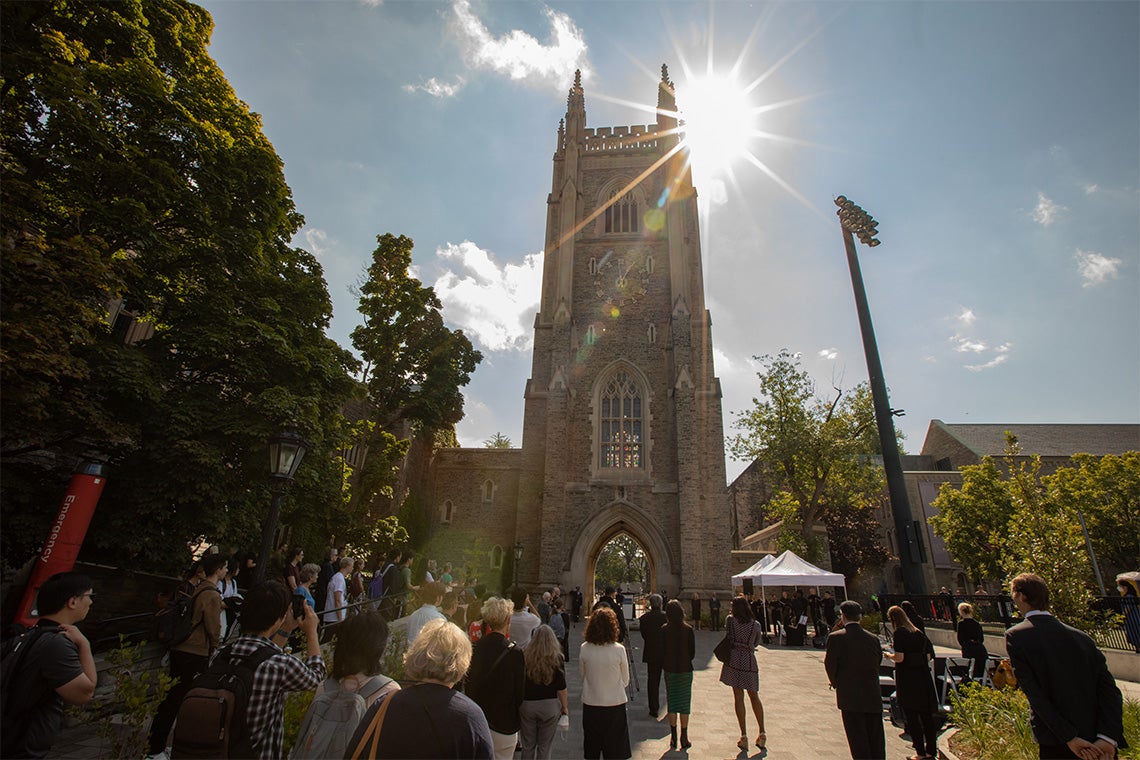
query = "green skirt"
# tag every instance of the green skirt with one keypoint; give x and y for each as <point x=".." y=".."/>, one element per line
<point x="679" y="690"/>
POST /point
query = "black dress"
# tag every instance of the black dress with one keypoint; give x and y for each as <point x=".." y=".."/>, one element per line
<point x="972" y="641"/>
<point x="914" y="689"/>
<point x="913" y="681"/>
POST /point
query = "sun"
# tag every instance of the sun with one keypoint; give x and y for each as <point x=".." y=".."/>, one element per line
<point x="719" y="122"/>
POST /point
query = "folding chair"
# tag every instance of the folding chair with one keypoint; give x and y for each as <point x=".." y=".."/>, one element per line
<point x="955" y="672"/>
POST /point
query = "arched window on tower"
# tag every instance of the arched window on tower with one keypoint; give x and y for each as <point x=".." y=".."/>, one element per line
<point x="446" y="512"/>
<point x="622" y="423"/>
<point x="497" y="557"/>
<point x="622" y="214"/>
<point x="488" y="490"/>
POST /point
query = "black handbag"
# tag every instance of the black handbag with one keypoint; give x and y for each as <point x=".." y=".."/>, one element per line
<point x="723" y="649"/>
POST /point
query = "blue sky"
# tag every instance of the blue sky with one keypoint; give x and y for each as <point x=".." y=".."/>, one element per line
<point x="998" y="145"/>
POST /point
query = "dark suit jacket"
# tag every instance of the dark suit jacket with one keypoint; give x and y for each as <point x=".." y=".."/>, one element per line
<point x="654" y="649"/>
<point x="1064" y="676"/>
<point x="852" y="663"/>
<point x="498" y="689"/>
<point x="605" y="601"/>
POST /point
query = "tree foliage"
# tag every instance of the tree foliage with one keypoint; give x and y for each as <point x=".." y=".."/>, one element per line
<point x="622" y="561"/>
<point x="1004" y="521"/>
<point x="498" y="441"/>
<point x="132" y="171"/>
<point x="816" y="455"/>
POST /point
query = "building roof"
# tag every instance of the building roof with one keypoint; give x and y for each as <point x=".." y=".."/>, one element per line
<point x="1047" y="440"/>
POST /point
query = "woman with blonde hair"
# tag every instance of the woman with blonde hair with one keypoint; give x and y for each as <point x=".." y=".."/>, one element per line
<point x="604" y="666"/>
<point x="428" y="719"/>
<point x="544" y="699"/>
<point x="914" y="685"/>
<point x="972" y="639"/>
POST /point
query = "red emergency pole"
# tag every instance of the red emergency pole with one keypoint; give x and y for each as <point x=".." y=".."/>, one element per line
<point x="67" y="533"/>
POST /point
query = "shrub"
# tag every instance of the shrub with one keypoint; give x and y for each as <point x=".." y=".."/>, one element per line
<point x="871" y="621"/>
<point x="122" y="718"/>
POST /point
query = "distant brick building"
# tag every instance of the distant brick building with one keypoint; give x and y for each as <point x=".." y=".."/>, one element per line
<point x="622" y="429"/>
<point x="946" y="448"/>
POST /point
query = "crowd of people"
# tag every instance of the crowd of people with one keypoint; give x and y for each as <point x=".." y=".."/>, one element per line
<point x="488" y="678"/>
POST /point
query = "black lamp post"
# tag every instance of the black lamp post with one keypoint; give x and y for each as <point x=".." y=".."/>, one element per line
<point x="518" y="552"/>
<point x="286" y="450"/>
<point x="857" y="222"/>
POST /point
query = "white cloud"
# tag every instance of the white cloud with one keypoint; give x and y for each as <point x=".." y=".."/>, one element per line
<point x="519" y="55"/>
<point x="1046" y="211"/>
<point x="1095" y="268"/>
<point x="962" y="345"/>
<point x="436" y="88"/>
<point x="999" y="359"/>
<point x="1090" y="187"/>
<point x="828" y="353"/>
<point x="493" y="304"/>
<point x="967" y="316"/>
<point x="316" y="240"/>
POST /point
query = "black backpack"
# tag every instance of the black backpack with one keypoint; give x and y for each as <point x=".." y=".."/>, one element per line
<point x="175" y="622"/>
<point x="212" y="718"/>
<point x="18" y="698"/>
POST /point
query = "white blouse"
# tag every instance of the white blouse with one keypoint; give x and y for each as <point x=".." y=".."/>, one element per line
<point x="605" y="674"/>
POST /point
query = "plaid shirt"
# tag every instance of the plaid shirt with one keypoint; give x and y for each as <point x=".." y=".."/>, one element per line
<point x="265" y="716"/>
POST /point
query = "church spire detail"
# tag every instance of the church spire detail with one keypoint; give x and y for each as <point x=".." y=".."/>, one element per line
<point x="666" y="104"/>
<point x="575" y="109"/>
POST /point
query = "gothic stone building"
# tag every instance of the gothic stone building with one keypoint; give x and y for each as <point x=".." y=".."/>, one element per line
<point x="622" y="429"/>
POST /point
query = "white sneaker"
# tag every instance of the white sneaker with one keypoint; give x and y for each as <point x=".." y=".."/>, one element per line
<point x="164" y="755"/>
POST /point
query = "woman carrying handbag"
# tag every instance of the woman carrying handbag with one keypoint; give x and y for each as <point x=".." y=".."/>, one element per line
<point x="740" y="670"/>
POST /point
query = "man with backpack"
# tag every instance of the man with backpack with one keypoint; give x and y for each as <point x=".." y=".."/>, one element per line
<point x="193" y="638"/>
<point x="49" y="666"/>
<point x="251" y="677"/>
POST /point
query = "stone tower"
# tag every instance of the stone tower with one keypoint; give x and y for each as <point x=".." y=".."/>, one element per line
<point x="622" y="431"/>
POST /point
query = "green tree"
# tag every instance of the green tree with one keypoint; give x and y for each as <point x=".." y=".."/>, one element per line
<point x="817" y="457"/>
<point x="132" y="171"/>
<point x="1024" y="522"/>
<point x="620" y="562"/>
<point x="973" y="519"/>
<point x="414" y="369"/>
<point x="1107" y="490"/>
<point x="498" y="441"/>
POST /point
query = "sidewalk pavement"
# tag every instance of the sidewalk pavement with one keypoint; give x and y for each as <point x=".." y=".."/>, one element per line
<point x="801" y="718"/>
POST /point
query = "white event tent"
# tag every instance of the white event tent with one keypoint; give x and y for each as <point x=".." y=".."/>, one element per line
<point x="789" y="569"/>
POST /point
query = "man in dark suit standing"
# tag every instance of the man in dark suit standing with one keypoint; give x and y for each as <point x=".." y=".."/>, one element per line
<point x="653" y="650"/>
<point x="608" y="600"/>
<point x="852" y="664"/>
<point x="1075" y="707"/>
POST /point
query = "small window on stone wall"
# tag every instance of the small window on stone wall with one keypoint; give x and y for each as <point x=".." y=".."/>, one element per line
<point x="651" y="333"/>
<point x="497" y="557"/>
<point x="593" y="265"/>
<point x="591" y="335"/>
<point x="445" y="515"/>
<point x="649" y="265"/>
<point x="488" y="490"/>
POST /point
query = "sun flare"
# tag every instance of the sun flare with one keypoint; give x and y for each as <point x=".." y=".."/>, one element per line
<point x="718" y="122"/>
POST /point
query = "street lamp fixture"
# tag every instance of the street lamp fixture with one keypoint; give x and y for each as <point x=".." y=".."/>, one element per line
<point x="518" y="552"/>
<point x="855" y="222"/>
<point x="286" y="450"/>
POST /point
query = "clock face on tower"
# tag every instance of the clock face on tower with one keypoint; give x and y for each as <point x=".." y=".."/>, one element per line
<point x="621" y="278"/>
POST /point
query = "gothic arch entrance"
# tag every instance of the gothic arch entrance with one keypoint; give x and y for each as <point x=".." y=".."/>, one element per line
<point x="616" y="519"/>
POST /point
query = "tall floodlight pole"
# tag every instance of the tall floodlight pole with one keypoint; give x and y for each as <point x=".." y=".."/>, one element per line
<point x="855" y="221"/>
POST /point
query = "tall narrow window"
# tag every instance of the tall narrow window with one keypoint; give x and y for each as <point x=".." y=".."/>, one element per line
<point x="448" y="509"/>
<point x="497" y="557"/>
<point x="651" y="332"/>
<point x="591" y="335"/>
<point x="621" y="423"/>
<point x="622" y="214"/>
<point x="488" y="490"/>
<point x="593" y="266"/>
